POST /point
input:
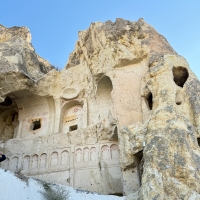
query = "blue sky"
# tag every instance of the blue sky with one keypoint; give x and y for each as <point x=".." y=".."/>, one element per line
<point x="54" y="24"/>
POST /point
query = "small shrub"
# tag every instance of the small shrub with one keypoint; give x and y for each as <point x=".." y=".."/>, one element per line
<point x="21" y="176"/>
<point x="54" y="192"/>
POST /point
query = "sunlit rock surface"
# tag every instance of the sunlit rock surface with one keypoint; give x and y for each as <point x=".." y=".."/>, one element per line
<point x="122" y="118"/>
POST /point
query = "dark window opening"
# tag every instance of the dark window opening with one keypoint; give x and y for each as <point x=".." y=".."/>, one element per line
<point x="73" y="128"/>
<point x="114" y="136"/>
<point x="117" y="194"/>
<point x="180" y="75"/>
<point x="36" y="124"/>
<point x="15" y="115"/>
<point x="178" y="103"/>
<point x="139" y="163"/>
<point x="149" y="100"/>
<point x="7" y="102"/>
<point x="198" y="141"/>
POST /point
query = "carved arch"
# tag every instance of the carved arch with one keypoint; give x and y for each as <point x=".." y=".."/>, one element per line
<point x="67" y="121"/>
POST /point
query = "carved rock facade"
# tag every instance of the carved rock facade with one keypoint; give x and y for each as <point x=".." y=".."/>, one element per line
<point x="123" y="117"/>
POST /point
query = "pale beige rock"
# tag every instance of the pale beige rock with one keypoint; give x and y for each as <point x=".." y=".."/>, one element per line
<point x="123" y="117"/>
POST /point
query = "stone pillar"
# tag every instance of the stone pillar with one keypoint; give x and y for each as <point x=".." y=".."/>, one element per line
<point x="85" y="114"/>
<point x="57" y="114"/>
<point x="19" y="131"/>
<point x="71" y="167"/>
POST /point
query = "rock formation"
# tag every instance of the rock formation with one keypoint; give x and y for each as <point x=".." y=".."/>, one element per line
<point x="122" y="118"/>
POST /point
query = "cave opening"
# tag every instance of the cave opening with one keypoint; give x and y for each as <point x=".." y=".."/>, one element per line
<point x="139" y="163"/>
<point x="6" y="102"/>
<point x="36" y="124"/>
<point x="180" y="75"/>
<point x="149" y="100"/>
<point x="198" y="141"/>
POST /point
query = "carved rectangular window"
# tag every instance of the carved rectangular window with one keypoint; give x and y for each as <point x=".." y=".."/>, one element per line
<point x="73" y="128"/>
<point x="35" y="124"/>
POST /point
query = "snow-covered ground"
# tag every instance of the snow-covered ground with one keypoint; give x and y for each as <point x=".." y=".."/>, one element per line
<point x="13" y="188"/>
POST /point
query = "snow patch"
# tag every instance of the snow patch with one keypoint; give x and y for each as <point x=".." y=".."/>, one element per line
<point x="14" y="188"/>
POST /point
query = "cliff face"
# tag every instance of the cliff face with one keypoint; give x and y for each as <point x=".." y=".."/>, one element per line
<point x="170" y="133"/>
<point x="18" y="60"/>
<point x="117" y="44"/>
<point x="122" y="117"/>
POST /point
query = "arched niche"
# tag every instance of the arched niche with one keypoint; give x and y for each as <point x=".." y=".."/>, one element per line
<point x="114" y="151"/>
<point x="35" y="161"/>
<point x="5" y="163"/>
<point x="78" y="155"/>
<point x="43" y="160"/>
<point x="8" y="119"/>
<point x="73" y="116"/>
<point x="33" y="114"/>
<point x="104" y="88"/>
<point x="93" y="154"/>
<point x="105" y="153"/>
<point x="54" y="159"/>
<point x="26" y="162"/>
<point x="85" y="154"/>
<point x="14" y="163"/>
<point x="103" y="104"/>
<point x="65" y="158"/>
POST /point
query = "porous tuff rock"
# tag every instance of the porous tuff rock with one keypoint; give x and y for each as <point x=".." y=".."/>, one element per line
<point x="17" y="55"/>
<point x="171" y="153"/>
<point x="133" y="89"/>
<point x="109" y="45"/>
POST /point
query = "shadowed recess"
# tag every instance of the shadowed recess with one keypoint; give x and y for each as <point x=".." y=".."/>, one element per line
<point x="6" y="102"/>
<point x="36" y="124"/>
<point x="149" y="100"/>
<point x="138" y="157"/>
<point x="180" y="75"/>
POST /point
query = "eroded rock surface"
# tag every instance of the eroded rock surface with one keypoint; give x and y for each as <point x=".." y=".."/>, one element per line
<point x="122" y="118"/>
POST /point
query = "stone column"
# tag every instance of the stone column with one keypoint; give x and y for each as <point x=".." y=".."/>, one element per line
<point x="71" y="166"/>
<point x="85" y="114"/>
<point x="57" y="114"/>
<point x="19" y="131"/>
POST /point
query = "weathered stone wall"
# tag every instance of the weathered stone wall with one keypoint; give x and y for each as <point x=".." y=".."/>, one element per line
<point x="122" y="117"/>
